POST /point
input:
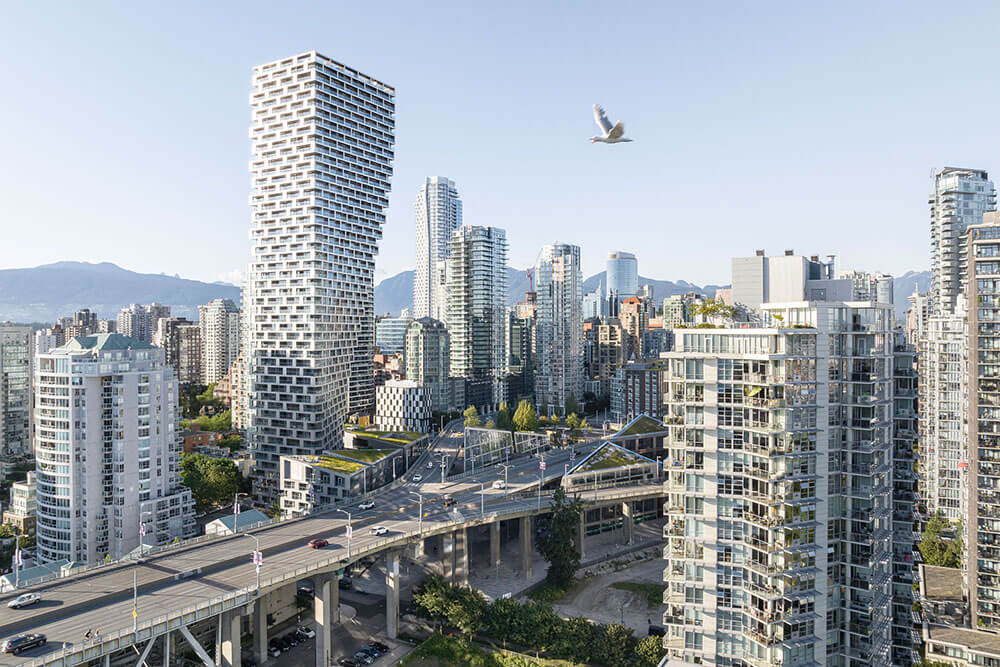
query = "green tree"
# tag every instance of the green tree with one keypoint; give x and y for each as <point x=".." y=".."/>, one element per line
<point x="617" y="645"/>
<point x="572" y="405"/>
<point x="466" y="610"/>
<point x="490" y="423"/>
<point x="212" y="481"/>
<point x="525" y="418"/>
<point x="556" y="545"/>
<point x="504" y="419"/>
<point x="573" y="422"/>
<point x="649" y="651"/>
<point x="936" y="550"/>
<point x="472" y="416"/>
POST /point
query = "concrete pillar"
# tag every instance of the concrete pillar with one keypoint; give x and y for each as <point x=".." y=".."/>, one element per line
<point x="581" y="534"/>
<point x="258" y="628"/>
<point x="419" y="553"/>
<point x="461" y="572"/>
<point x="495" y="544"/>
<point x="526" y="538"/>
<point x="392" y="593"/>
<point x="322" y="619"/>
<point x="628" y="523"/>
<point x="448" y="557"/>
<point x="335" y="599"/>
<point x="229" y="623"/>
<point x="167" y="641"/>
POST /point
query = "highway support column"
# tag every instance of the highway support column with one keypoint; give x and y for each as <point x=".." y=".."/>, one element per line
<point x="581" y="534"/>
<point x="322" y="618"/>
<point x="259" y="629"/>
<point x="392" y="593"/>
<point x="628" y="522"/>
<point x="461" y="571"/>
<point x="526" y="537"/>
<point x="495" y="543"/>
<point x="229" y="624"/>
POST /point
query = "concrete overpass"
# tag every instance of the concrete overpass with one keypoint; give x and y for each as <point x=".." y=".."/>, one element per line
<point x="216" y="578"/>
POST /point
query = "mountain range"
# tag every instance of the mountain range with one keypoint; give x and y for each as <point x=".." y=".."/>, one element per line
<point x="45" y="293"/>
<point x="395" y="293"/>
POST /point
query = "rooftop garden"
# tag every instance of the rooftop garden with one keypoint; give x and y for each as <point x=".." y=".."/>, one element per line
<point x="338" y="464"/>
<point x="366" y="455"/>
<point x="611" y="456"/>
<point x="643" y="425"/>
<point x="394" y="437"/>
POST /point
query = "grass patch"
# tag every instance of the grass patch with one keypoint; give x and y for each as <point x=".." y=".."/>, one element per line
<point x="653" y="592"/>
<point x="643" y="425"/>
<point x="441" y="651"/>
<point x="338" y="464"/>
<point x="549" y="593"/>
<point x="366" y="455"/>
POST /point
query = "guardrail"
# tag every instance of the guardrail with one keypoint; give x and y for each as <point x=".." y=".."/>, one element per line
<point x="202" y="539"/>
<point x="77" y="654"/>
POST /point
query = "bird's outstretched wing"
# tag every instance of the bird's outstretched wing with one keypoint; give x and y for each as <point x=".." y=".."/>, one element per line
<point x="617" y="131"/>
<point x="601" y="120"/>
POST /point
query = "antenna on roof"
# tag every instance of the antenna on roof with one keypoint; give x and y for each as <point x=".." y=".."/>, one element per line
<point x="531" y="279"/>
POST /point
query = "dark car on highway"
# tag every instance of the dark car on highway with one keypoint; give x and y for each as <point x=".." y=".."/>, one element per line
<point x="318" y="543"/>
<point x="24" y="642"/>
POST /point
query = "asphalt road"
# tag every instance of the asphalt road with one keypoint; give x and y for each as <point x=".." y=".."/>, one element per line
<point x="104" y="601"/>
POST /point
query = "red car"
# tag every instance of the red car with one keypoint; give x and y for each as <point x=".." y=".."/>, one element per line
<point x="318" y="543"/>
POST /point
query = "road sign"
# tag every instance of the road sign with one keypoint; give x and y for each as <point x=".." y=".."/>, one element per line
<point x="135" y="613"/>
<point x="258" y="558"/>
<point x="349" y="531"/>
<point x="541" y="464"/>
<point x="142" y="530"/>
<point x="572" y="456"/>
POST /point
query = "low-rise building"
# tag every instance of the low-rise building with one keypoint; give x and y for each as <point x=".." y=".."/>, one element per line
<point x="21" y="513"/>
<point x="242" y="521"/>
<point x="403" y="404"/>
<point x="195" y="437"/>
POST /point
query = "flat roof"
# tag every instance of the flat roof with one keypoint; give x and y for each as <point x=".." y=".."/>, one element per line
<point x="942" y="583"/>
<point x="975" y="640"/>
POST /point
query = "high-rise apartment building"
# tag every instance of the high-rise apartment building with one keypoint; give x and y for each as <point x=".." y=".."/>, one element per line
<point x="322" y="141"/>
<point x="789" y="277"/>
<point x="438" y="211"/>
<point x="476" y="308"/>
<point x="559" y="370"/>
<point x="181" y="341"/>
<point x="107" y="455"/>
<point x="220" y="338"/>
<point x="623" y="279"/>
<point x="905" y="483"/>
<point x="595" y="303"/>
<point x="604" y="352"/>
<point x="390" y="334"/>
<point x="138" y="321"/>
<point x="779" y="482"/>
<point x="959" y="199"/>
<point x="427" y="359"/>
<point x="15" y="390"/>
<point x="876" y="287"/>
<point x="634" y="317"/>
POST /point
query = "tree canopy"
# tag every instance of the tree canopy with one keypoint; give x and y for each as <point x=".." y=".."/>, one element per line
<point x="212" y="481"/>
<point x="504" y="419"/>
<point x="472" y="416"/>
<point x="572" y="405"/>
<point x="936" y="550"/>
<point x="557" y="544"/>
<point x="525" y="418"/>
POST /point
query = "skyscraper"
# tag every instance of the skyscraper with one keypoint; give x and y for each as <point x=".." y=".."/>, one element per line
<point x="220" y="338"/>
<point x="623" y="279"/>
<point x="438" y="213"/>
<point x="322" y="140"/>
<point x="959" y="199"/>
<point x="559" y="370"/>
<point x="182" y="344"/>
<point x="139" y="321"/>
<point x="427" y="351"/>
<point x="15" y="390"/>
<point x="108" y="458"/>
<point x="475" y="315"/>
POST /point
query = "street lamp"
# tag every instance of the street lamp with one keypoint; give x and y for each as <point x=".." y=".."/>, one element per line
<point x="236" y="511"/>
<point x="348" y="531"/>
<point x="258" y="557"/>
<point x="505" y="467"/>
<point x="135" y="572"/>
<point x="420" y="517"/>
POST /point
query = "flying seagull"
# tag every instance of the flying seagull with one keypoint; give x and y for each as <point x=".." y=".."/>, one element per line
<point x="610" y="135"/>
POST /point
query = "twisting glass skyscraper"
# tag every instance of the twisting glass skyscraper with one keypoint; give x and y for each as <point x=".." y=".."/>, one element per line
<point x="322" y="138"/>
<point x="438" y="213"/>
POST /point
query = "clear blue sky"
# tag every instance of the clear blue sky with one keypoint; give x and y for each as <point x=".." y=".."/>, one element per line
<point x="756" y="125"/>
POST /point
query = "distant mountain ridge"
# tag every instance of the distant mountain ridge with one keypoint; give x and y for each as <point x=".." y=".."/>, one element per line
<point x="395" y="293"/>
<point x="45" y="293"/>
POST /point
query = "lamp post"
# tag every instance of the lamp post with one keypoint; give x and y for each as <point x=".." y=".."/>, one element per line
<point x="258" y="557"/>
<point x="236" y="511"/>
<point x="444" y="461"/>
<point x="420" y="517"/>
<point x="505" y="467"/>
<point x="348" y="531"/>
<point x="135" y="571"/>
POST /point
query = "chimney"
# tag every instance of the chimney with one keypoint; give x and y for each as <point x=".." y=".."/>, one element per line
<point x="814" y="258"/>
<point x="759" y="253"/>
<point x="789" y="252"/>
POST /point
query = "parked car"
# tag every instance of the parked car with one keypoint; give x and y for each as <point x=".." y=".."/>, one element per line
<point x="347" y="662"/>
<point x="499" y="484"/>
<point x="345" y="584"/>
<point x="23" y="642"/>
<point x="380" y="646"/>
<point x="24" y="600"/>
<point x="371" y="650"/>
<point x="418" y="478"/>
<point x="318" y="543"/>
<point x="363" y="658"/>
<point x="273" y="651"/>
<point x="379" y="530"/>
<point x="308" y="632"/>
<point x="367" y="505"/>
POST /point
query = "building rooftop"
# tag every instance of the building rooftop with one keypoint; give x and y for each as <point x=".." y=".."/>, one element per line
<point x="976" y="640"/>
<point x="364" y="455"/>
<point x="942" y="583"/>
<point x="336" y="463"/>
<point x="642" y="425"/>
<point x="112" y="341"/>
<point x="609" y="455"/>
<point x="243" y="519"/>
<point x="391" y="437"/>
